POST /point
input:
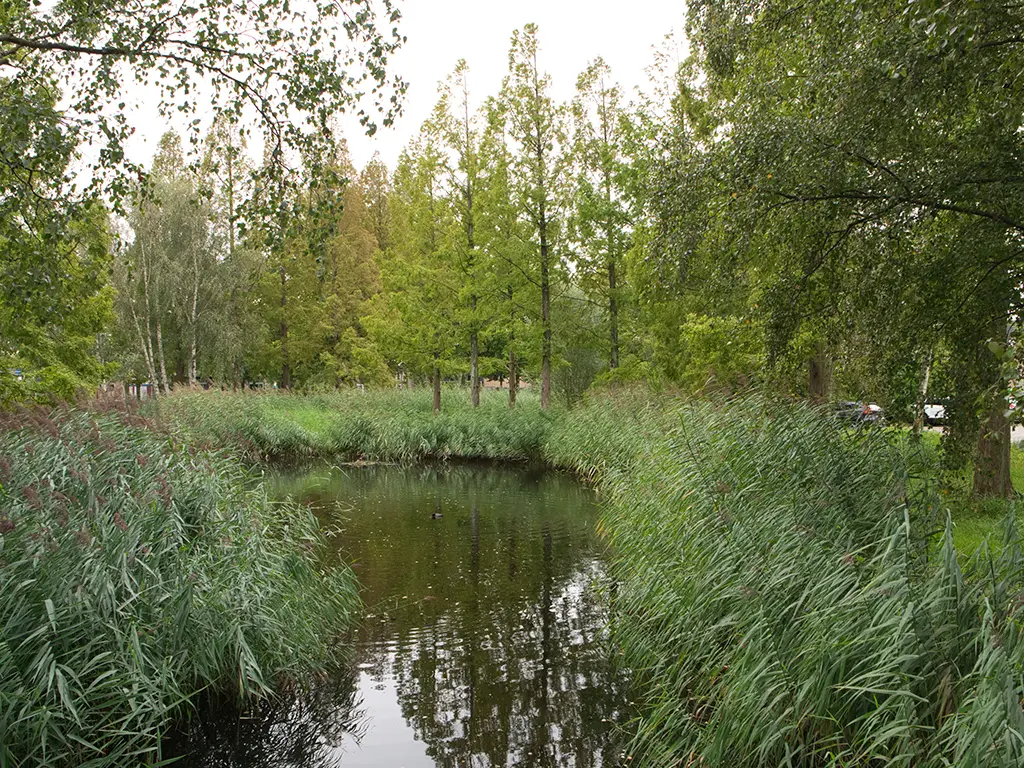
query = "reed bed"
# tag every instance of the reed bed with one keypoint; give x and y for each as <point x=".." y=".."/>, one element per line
<point x="355" y="425"/>
<point x="137" y="572"/>
<point x="784" y="602"/>
<point x="788" y="591"/>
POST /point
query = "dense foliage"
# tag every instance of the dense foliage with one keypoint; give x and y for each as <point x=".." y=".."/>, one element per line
<point x="137" y="572"/>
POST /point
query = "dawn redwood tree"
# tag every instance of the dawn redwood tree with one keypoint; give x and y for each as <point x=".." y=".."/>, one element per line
<point x="460" y="132"/>
<point x="536" y="128"/>
<point x="414" y="320"/>
<point x="599" y="221"/>
<point x="375" y="182"/>
<point x="506" y="247"/>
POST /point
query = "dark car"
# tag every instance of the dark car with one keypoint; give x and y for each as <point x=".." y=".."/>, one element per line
<point x="858" y="414"/>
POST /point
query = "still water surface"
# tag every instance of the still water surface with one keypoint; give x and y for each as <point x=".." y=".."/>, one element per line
<point x="484" y="641"/>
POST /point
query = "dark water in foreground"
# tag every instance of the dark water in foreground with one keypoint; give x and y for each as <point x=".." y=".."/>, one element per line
<point x="485" y="636"/>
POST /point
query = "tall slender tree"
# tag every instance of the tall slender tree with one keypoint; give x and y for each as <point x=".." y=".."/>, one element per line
<point x="504" y="240"/>
<point x="460" y="132"/>
<point x="599" y="221"/>
<point x="536" y="127"/>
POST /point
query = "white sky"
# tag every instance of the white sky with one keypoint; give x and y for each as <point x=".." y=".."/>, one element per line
<point x="440" y="32"/>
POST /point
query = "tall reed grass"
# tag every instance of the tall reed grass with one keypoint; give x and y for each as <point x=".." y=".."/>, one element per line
<point x="784" y="602"/>
<point x="373" y="425"/>
<point x="135" y="573"/>
<point x="788" y="592"/>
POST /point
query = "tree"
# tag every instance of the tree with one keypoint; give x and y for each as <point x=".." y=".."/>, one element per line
<point x="225" y="178"/>
<point x="460" y="133"/>
<point x="537" y="131"/>
<point x="505" y="246"/>
<point x="54" y="257"/>
<point x="600" y="222"/>
<point x="350" y="279"/>
<point x="169" y="271"/>
<point x="375" y="181"/>
<point x="840" y="131"/>
<point x="415" y="317"/>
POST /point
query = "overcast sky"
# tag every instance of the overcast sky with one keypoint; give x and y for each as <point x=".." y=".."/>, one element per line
<point x="440" y="32"/>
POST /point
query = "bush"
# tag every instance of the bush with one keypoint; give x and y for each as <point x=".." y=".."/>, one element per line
<point x="136" y="573"/>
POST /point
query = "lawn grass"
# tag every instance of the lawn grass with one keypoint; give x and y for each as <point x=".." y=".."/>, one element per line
<point x="975" y="521"/>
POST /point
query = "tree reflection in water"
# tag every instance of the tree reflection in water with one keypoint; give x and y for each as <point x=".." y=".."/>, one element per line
<point x="485" y="637"/>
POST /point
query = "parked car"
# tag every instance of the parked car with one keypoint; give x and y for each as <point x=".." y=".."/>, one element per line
<point x="934" y="414"/>
<point x="858" y="413"/>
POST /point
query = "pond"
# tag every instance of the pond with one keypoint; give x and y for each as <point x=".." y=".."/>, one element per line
<point x="485" y="635"/>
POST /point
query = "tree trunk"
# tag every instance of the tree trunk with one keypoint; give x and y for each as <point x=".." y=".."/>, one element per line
<point x="922" y="395"/>
<point x="160" y="357"/>
<point x="545" y="317"/>
<point x="613" y="315"/>
<point x="286" y="371"/>
<point x="992" y="464"/>
<point x="474" y="366"/>
<point x="194" y="321"/>
<point x="992" y="461"/>
<point x="146" y="343"/>
<point x="819" y="375"/>
<point x="513" y="379"/>
<point x="437" y="387"/>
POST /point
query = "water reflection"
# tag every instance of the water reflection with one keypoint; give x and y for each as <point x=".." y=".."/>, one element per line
<point x="484" y="641"/>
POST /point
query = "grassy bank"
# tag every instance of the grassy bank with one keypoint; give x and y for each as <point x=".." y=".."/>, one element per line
<point x="351" y="425"/>
<point x="974" y="520"/>
<point x="789" y="592"/>
<point x="135" y="573"/>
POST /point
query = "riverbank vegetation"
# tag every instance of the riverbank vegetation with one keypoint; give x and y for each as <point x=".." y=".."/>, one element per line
<point x="355" y="426"/>
<point x="787" y="588"/>
<point x="137" y="573"/>
<point x="791" y="595"/>
<point x="818" y="202"/>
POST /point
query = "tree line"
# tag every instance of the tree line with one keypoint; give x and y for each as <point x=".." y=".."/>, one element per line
<point x="495" y="248"/>
<point x="822" y="200"/>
